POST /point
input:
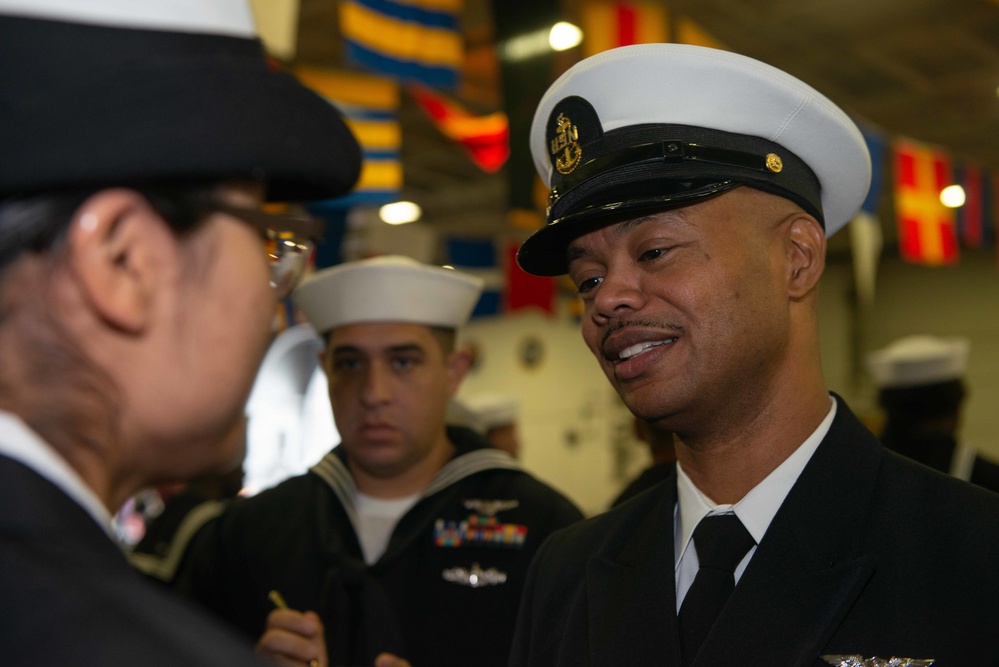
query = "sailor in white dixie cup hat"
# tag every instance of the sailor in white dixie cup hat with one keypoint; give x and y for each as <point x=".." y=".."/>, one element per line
<point x="922" y="388"/>
<point x="494" y="415"/>
<point x="692" y="191"/>
<point x="388" y="289"/>
<point x="412" y="537"/>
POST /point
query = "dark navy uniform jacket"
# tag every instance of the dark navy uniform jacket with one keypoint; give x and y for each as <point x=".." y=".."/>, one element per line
<point x="446" y="590"/>
<point x="69" y="597"/>
<point x="870" y="555"/>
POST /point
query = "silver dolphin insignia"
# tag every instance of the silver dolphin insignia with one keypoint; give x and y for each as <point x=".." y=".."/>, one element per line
<point x="474" y="576"/>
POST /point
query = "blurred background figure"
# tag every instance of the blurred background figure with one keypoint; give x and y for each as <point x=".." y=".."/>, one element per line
<point x="494" y="416"/>
<point x="921" y="388"/>
<point x="663" y="455"/>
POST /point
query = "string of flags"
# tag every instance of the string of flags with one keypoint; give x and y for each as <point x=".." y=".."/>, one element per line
<point x="415" y="47"/>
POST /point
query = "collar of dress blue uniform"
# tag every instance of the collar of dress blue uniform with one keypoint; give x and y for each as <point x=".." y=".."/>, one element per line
<point x="648" y="168"/>
<point x="472" y="455"/>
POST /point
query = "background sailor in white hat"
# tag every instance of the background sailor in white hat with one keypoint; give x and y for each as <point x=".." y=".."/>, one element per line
<point x="411" y="537"/>
<point x="921" y="388"/>
<point x="692" y="191"/>
<point x="493" y="415"/>
<point x="138" y="281"/>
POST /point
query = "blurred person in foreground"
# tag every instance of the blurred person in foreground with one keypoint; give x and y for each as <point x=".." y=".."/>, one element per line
<point x="138" y="281"/>
<point x="921" y="388"/>
<point x="411" y="537"/>
<point x="692" y="192"/>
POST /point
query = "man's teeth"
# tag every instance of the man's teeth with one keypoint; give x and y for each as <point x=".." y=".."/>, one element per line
<point x="636" y="350"/>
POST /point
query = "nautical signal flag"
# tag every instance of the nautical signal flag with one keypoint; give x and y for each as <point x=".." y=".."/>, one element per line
<point x="971" y="218"/>
<point x="607" y="25"/>
<point x="477" y="257"/>
<point x="486" y="138"/>
<point x="409" y="40"/>
<point x="524" y="290"/>
<point x="369" y="105"/>
<point x="927" y="230"/>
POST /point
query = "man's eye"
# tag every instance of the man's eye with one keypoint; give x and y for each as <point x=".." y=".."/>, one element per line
<point x="655" y="253"/>
<point x="403" y="363"/>
<point x="345" y="365"/>
<point x="589" y="284"/>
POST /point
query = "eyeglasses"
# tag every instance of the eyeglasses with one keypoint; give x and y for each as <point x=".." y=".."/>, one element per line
<point x="288" y="240"/>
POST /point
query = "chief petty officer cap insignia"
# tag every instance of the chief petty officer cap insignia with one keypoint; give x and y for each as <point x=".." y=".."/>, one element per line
<point x="645" y="128"/>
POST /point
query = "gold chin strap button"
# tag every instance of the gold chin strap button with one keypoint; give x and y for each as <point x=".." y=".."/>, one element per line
<point x="774" y="163"/>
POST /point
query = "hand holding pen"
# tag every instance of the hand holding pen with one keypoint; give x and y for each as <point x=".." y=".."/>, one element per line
<point x="293" y="638"/>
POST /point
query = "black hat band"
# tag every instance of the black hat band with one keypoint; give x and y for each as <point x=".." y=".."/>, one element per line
<point x="621" y="171"/>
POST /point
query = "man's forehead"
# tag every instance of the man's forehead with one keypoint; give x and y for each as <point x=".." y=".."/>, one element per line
<point x="380" y="335"/>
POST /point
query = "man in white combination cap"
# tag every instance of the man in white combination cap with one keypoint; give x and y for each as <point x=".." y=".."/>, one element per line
<point x="692" y="192"/>
<point x="139" y="276"/>
<point x="921" y="388"/>
<point x="411" y="537"/>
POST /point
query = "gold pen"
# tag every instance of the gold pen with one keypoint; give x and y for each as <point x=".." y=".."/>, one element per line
<point x="278" y="601"/>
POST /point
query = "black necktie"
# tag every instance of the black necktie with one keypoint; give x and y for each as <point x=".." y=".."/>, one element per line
<point x="721" y="542"/>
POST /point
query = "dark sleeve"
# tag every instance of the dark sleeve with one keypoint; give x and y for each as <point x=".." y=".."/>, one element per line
<point x="199" y="577"/>
<point x="554" y="580"/>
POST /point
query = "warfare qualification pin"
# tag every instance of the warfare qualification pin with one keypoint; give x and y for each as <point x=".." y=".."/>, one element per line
<point x="860" y="661"/>
<point x="475" y="576"/>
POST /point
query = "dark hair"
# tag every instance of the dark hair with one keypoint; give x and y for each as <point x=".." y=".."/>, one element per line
<point x="36" y="223"/>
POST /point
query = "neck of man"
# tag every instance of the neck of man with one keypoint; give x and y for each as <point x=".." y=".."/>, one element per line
<point x="406" y="479"/>
<point x="726" y="461"/>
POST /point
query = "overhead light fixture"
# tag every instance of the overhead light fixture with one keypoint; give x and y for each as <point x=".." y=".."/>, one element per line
<point x="952" y="196"/>
<point x="400" y="212"/>
<point x="526" y="45"/>
<point x="564" y="36"/>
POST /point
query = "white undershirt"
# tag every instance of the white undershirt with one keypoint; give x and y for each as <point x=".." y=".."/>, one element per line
<point x="756" y="509"/>
<point x="19" y="442"/>
<point x="377" y="518"/>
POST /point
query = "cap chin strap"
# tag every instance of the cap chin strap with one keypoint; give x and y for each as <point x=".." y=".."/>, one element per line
<point x="665" y="151"/>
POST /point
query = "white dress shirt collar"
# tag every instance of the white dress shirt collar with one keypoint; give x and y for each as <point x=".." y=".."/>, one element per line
<point x="758" y="507"/>
<point x="19" y="442"/>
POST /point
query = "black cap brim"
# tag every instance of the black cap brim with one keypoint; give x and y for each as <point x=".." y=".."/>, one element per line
<point x="87" y="105"/>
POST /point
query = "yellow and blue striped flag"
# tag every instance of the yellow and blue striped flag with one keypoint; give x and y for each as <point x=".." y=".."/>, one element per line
<point x="370" y="106"/>
<point x="410" y="40"/>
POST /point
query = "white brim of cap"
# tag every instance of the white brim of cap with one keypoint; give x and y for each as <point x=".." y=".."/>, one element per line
<point x="388" y="289"/>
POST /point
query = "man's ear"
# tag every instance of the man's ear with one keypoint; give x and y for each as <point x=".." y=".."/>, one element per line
<point x="114" y="242"/>
<point x="806" y="254"/>
<point x="459" y="363"/>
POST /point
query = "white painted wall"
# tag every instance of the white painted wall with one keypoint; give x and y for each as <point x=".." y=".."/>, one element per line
<point x="576" y="433"/>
